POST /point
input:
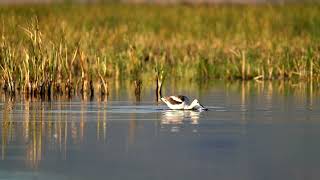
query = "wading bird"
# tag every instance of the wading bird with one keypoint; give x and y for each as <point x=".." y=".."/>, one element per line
<point x="182" y="103"/>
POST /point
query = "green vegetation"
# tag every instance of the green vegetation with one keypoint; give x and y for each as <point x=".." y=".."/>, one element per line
<point x="64" y="49"/>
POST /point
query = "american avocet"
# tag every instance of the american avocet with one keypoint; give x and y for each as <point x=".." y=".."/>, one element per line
<point x="182" y="102"/>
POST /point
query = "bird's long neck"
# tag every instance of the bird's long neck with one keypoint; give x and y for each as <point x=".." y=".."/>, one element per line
<point x="192" y="105"/>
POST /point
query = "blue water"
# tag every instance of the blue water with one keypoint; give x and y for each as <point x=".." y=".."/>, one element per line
<point x="250" y="132"/>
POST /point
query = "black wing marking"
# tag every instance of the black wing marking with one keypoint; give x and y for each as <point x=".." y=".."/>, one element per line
<point x="183" y="98"/>
<point x="173" y="101"/>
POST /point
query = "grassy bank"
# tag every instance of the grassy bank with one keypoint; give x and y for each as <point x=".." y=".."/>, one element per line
<point x="64" y="49"/>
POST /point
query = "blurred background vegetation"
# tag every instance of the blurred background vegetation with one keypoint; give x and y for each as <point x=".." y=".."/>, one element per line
<point x="69" y="47"/>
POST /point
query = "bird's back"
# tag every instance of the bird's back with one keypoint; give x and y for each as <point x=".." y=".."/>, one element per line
<point x="176" y="102"/>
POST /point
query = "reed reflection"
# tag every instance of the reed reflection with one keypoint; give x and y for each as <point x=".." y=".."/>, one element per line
<point x="43" y="128"/>
<point x="268" y="92"/>
<point x="6" y="126"/>
<point x="102" y="122"/>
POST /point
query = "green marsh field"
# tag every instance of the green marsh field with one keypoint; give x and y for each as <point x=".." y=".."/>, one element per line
<point x="68" y="48"/>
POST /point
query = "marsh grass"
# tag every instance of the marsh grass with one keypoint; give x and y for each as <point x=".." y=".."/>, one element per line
<point x="77" y="49"/>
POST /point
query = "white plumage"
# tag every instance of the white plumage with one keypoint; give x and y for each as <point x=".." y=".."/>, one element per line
<point x="182" y="102"/>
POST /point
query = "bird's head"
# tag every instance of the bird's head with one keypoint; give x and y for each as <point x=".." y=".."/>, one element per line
<point x="196" y="105"/>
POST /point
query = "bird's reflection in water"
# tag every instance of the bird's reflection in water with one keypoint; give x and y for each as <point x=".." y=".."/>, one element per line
<point x="175" y="119"/>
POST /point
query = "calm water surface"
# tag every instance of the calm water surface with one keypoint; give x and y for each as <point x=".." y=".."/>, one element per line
<point x="251" y="131"/>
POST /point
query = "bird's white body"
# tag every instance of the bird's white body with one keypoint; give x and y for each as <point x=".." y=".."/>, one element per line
<point x="182" y="103"/>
